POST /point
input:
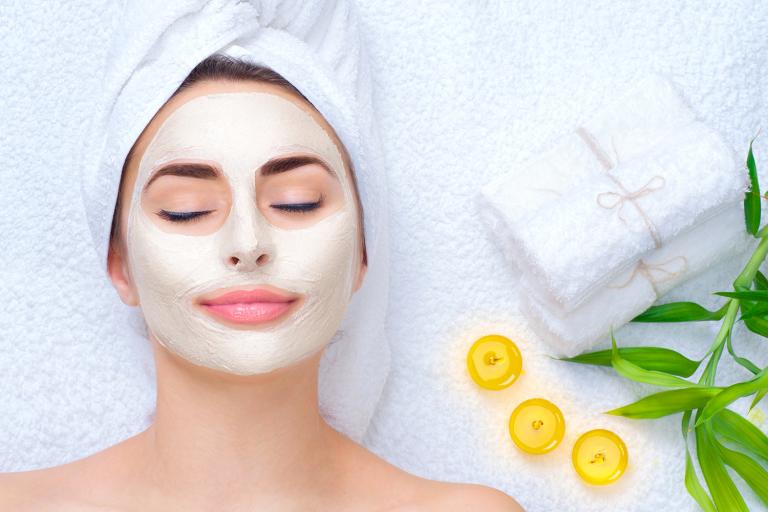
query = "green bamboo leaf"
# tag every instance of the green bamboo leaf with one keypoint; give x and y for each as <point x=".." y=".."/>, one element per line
<point x="733" y="393"/>
<point x="691" y="480"/>
<point x="761" y="282"/>
<point x="754" y="306"/>
<point x="633" y="372"/>
<point x="750" y="311"/>
<point x="738" y="429"/>
<point x="748" y="307"/>
<point x="757" y="325"/>
<point x="716" y="349"/>
<point x="755" y="295"/>
<point x="650" y="358"/>
<point x="679" y="312"/>
<point x="748" y="469"/>
<point x="708" y="375"/>
<point x="743" y="361"/>
<point x="758" y="396"/>
<point x="724" y="492"/>
<point x="752" y="204"/>
<point x="667" y="402"/>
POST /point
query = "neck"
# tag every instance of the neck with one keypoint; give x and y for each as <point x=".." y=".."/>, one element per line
<point x="216" y="433"/>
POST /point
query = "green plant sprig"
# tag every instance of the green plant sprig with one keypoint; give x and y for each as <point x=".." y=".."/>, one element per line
<point x="723" y="438"/>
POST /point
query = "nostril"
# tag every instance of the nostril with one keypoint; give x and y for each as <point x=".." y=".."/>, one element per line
<point x="261" y="260"/>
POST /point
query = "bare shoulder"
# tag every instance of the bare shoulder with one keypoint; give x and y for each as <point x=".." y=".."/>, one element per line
<point x="14" y="494"/>
<point x="63" y="488"/>
<point x="392" y="489"/>
<point x="32" y="490"/>
<point x="458" y="497"/>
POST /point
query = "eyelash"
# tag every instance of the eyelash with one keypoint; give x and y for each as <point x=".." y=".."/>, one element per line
<point x="182" y="216"/>
<point x="300" y="208"/>
<point x="297" y="207"/>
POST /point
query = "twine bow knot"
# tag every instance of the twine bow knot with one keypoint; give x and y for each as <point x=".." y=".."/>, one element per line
<point x="626" y="195"/>
<point x="611" y="199"/>
<point x="619" y="199"/>
<point x="647" y="270"/>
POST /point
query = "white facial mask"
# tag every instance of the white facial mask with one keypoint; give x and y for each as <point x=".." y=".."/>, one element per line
<point x="241" y="131"/>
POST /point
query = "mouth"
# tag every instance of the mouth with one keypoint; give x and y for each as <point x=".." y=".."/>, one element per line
<point x="250" y="306"/>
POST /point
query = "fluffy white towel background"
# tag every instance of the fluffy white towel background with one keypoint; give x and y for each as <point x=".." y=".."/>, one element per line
<point x="470" y="90"/>
<point x="465" y="90"/>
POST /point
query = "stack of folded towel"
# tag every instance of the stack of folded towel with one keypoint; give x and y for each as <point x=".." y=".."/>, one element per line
<point x="634" y="201"/>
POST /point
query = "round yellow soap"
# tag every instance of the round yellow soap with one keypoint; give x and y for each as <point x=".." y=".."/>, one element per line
<point x="537" y="426"/>
<point x="494" y="362"/>
<point x="600" y="456"/>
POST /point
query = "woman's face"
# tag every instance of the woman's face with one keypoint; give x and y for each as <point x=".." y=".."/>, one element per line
<point x="236" y="186"/>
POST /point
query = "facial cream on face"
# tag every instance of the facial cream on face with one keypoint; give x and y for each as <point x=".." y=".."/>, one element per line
<point x="240" y="131"/>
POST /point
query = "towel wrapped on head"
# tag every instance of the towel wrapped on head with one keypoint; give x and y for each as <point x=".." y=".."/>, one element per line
<point x="316" y="46"/>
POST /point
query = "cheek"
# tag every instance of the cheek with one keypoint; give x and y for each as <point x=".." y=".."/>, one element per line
<point x="326" y="250"/>
<point x="164" y="264"/>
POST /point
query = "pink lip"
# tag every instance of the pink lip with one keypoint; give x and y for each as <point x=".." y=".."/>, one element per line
<point x="249" y="306"/>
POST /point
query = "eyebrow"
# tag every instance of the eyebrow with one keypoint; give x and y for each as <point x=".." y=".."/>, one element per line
<point x="189" y="170"/>
<point x="287" y="163"/>
<point x="208" y="172"/>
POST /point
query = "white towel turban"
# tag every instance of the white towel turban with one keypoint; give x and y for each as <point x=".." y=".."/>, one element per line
<point x="316" y="46"/>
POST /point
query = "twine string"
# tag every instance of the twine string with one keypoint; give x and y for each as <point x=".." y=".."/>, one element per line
<point x="611" y="199"/>
<point x="647" y="270"/>
<point x="625" y="195"/>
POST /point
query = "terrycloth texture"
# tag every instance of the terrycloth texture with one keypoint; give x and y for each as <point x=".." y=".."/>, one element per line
<point x="315" y="45"/>
<point x="468" y="92"/>
<point x="635" y="290"/>
<point x="610" y="228"/>
<point x="630" y="122"/>
<point x="463" y="92"/>
<point x="598" y="203"/>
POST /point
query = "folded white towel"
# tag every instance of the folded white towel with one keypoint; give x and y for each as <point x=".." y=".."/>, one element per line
<point x="633" y="123"/>
<point x="687" y="255"/>
<point x="638" y="190"/>
<point x="589" y="234"/>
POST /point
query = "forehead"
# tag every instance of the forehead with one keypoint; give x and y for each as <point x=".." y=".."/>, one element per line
<point x="239" y="128"/>
<point x="218" y="87"/>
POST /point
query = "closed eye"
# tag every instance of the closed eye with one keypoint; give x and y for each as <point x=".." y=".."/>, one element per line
<point x="182" y="216"/>
<point x="297" y="207"/>
<point x="192" y="216"/>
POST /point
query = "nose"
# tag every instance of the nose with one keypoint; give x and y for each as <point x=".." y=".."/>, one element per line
<point x="249" y="259"/>
<point x="249" y="246"/>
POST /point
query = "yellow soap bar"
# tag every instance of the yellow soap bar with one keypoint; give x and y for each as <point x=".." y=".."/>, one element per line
<point x="537" y="426"/>
<point x="494" y="362"/>
<point x="600" y="456"/>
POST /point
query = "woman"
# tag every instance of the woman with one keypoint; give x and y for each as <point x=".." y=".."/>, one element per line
<point x="238" y="231"/>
